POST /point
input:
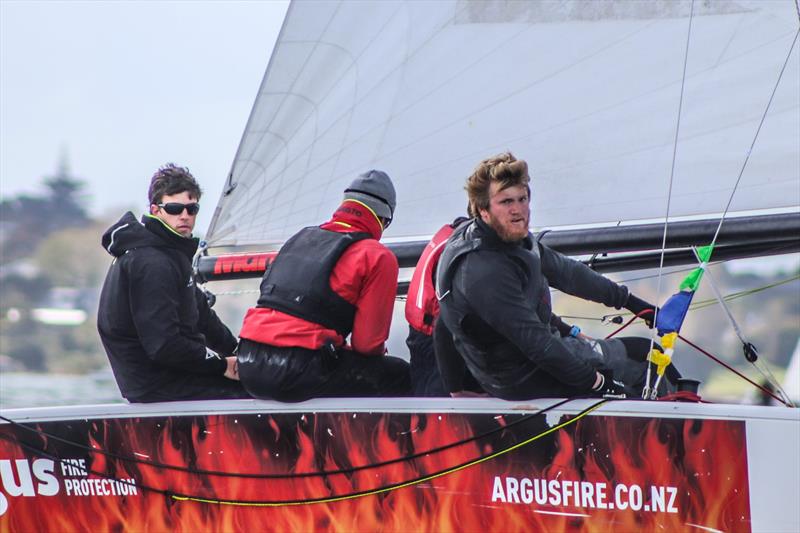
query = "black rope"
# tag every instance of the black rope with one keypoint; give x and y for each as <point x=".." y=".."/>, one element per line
<point x="322" y="473"/>
<point x="171" y="494"/>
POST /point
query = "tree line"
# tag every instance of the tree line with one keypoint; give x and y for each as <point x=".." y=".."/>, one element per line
<point x="50" y="258"/>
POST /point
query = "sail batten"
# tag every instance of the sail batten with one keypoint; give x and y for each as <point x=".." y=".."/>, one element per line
<point x="589" y="96"/>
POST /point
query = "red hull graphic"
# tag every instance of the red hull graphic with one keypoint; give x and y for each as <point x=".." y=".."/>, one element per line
<point x="373" y="471"/>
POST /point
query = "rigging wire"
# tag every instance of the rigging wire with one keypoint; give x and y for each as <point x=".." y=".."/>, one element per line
<point x="766" y="374"/>
<point x="646" y="391"/>
<point x="785" y="400"/>
<point x="700" y="304"/>
<point x="750" y="352"/>
<point x="778" y="250"/>
<point x="755" y="137"/>
<point x="765" y="390"/>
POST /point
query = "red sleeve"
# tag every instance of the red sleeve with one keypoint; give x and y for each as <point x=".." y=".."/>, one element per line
<point x="375" y="302"/>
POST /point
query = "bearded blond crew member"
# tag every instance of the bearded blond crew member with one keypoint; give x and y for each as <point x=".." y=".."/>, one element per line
<point x="494" y="280"/>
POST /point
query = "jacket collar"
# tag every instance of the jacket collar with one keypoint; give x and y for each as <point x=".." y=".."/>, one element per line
<point x="353" y="215"/>
<point x="186" y="245"/>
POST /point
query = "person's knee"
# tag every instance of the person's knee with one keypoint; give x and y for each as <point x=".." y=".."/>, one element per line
<point x="399" y="368"/>
<point x="398" y="373"/>
<point x="396" y="364"/>
<point x="638" y="348"/>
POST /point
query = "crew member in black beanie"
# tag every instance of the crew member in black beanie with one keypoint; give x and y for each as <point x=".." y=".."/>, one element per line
<point x="321" y="323"/>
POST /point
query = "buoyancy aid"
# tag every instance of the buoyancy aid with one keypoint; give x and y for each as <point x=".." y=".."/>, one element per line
<point x="422" y="306"/>
<point x="470" y="238"/>
<point x="463" y="242"/>
<point x="298" y="282"/>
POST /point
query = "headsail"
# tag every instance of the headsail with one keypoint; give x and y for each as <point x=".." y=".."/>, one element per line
<point x="587" y="92"/>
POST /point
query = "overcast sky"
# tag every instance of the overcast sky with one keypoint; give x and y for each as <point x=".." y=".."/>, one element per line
<point x="124" y="87"/>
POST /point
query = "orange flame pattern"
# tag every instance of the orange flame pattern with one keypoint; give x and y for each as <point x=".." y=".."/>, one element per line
<point x="699" y="465"/>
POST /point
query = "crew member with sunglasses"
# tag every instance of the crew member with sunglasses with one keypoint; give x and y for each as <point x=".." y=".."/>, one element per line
<point x="328" y="283"/>
<point x="163" y="340"/>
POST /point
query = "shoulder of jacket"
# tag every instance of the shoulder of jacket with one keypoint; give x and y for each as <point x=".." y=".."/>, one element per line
<point x="156" y="260"/>
<point x="373" y="249"/>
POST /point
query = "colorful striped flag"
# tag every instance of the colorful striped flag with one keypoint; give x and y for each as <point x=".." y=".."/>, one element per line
<point x="672" y="314"/>
<point x="670" y="319"/>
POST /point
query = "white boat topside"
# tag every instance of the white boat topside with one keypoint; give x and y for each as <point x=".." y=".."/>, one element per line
<point x="633" y="408"/>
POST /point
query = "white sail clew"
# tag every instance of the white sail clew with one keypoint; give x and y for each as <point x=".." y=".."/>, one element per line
<point x="587" y="92"/>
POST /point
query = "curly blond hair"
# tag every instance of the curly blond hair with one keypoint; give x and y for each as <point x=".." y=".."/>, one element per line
<point x="503" y="168"/>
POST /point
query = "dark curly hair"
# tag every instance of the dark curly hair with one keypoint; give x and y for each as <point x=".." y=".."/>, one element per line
<point x="503" y="168"/>
<point x="172" y="179"/>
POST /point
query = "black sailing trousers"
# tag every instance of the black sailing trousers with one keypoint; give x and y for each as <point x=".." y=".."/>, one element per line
<point x="292" y="374"/>
<point x="195" y="387"/>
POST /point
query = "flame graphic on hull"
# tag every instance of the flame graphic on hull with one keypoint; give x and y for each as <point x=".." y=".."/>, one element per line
<point x="651" y="473"/>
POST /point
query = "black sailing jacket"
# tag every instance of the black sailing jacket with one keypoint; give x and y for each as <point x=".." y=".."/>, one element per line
<point x="153" y="320"/>
<point x="495" y="300"/>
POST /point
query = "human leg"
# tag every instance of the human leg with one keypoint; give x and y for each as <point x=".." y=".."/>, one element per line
<point x="425" y="378"/>
<point x="195" y="387"/>
<point x="354" y="374"/>
<point x="287" y="374"/>
<point x="637" y="349"/>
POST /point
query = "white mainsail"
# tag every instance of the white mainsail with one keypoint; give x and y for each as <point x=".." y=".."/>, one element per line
<point x="587" y="92"/>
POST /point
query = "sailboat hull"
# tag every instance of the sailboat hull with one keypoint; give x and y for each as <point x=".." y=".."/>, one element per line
<point x="401" y="464"/>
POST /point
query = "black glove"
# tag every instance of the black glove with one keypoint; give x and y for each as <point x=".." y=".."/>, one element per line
<point x="636" y="305"/>
<point x="609" y="387"/>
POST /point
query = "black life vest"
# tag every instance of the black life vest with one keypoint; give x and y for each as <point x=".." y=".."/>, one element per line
<point x="461" y="242"/>
<point x="298" y="280"/>
<point x="467" y="238"/>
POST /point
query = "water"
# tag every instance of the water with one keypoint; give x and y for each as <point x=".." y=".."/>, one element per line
<point x="22" y="389"/>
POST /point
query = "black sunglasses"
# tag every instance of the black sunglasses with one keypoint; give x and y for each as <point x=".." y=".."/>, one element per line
<point x="176" y="208"/>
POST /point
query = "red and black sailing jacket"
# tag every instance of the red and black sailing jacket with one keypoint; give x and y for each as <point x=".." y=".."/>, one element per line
<point x="363" y="280"/>
<point x="298" y="280"/>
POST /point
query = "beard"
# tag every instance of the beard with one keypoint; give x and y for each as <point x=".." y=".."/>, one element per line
<point x="508" y="232"/>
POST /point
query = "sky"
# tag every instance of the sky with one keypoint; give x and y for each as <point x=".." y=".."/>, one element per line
<point x="120" y="88"/>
